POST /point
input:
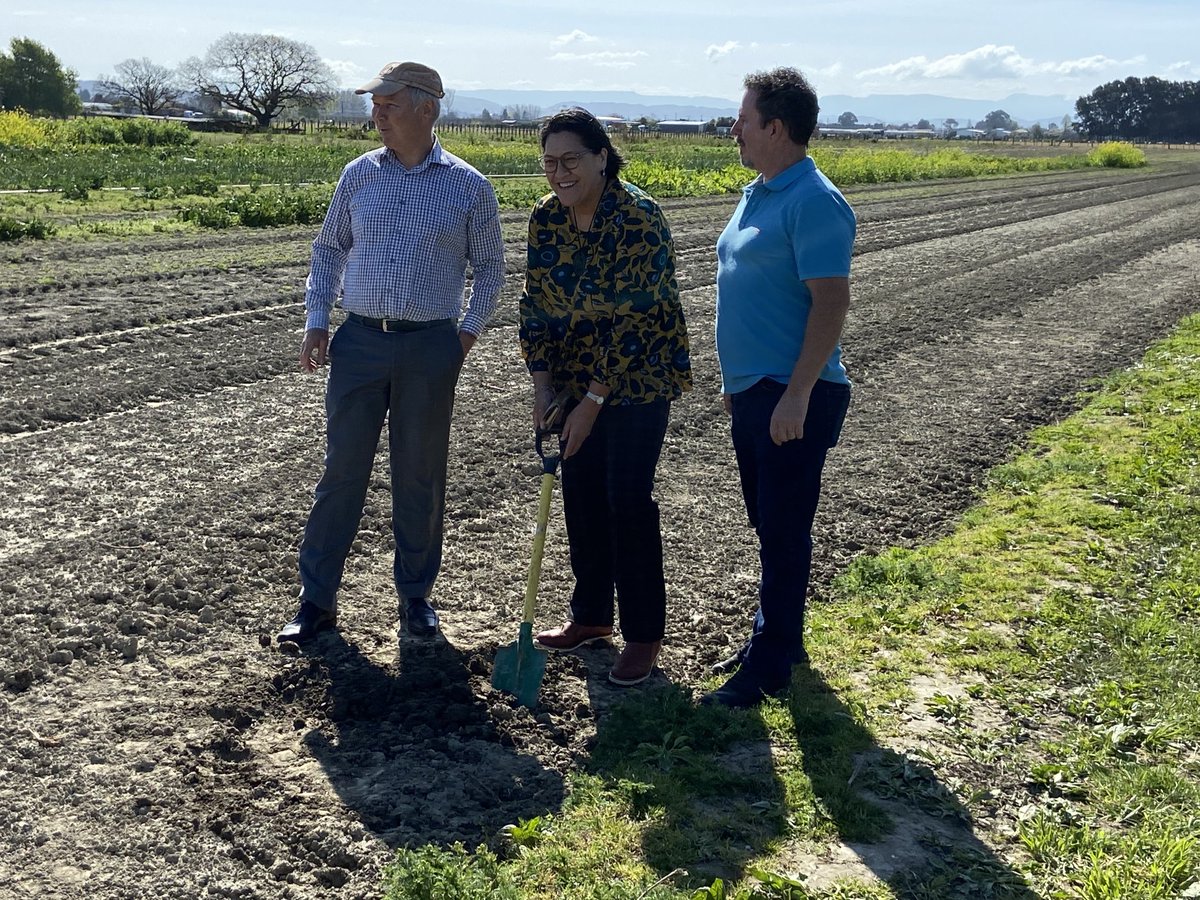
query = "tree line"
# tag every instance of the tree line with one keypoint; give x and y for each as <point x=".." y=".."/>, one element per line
<point x="1142" y="109"/>
<point x="256" y="74"/>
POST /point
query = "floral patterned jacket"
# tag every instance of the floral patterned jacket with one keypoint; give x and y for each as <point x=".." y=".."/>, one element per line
<point x="604" y="304"/>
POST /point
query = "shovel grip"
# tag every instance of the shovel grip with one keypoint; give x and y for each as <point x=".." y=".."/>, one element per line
<point x="539" y="544"/>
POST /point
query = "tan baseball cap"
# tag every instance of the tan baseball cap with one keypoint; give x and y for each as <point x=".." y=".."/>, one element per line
<point x="398" y="75"/>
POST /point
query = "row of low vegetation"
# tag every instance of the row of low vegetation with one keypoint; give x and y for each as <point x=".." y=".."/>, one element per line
<point x="263" y="180"/>
<point x="1063" y="621"/>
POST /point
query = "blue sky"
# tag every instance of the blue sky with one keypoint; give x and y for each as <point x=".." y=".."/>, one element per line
<point x="680" y="47"/>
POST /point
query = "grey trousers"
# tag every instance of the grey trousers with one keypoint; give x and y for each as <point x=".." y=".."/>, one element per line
<point x="407" y="377"/>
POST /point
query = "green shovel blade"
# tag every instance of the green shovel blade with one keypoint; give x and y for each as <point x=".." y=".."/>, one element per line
<point x="519" y="668"/>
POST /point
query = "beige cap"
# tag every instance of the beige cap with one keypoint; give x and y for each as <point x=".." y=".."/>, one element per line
<point x="398" y="75"/>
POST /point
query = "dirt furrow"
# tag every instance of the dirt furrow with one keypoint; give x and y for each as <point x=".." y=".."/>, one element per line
<point x="148" y="733"/>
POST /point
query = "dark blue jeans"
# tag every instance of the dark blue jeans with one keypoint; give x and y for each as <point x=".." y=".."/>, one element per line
<point x="612" y="521"/>
<point x="781" y="486"/>
<point x="407" y="377"/>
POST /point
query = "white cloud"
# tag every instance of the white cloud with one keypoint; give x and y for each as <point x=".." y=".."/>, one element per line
<point x="990" y="62"/>
<point x="1183" y="67"/>
<point x="346" y="71"/>
<point x="831" y="71"/>
<point x="1089" y="65"/>
<point x="574" y="37"/>
<point x="610" y="59"/>
<point x="355" y="42"/>
<point x="720" y="51"/>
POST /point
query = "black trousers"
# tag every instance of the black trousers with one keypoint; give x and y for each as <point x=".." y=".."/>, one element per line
<point x="613" y="524"/>
<point x="781" y="486"/>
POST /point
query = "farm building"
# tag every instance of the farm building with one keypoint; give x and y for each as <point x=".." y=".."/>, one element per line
<point x="681" y="126"/>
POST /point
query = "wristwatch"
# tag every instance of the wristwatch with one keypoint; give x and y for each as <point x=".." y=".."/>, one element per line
<point x="595" y="398"/>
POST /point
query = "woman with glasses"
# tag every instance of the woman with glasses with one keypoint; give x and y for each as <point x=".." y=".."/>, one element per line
<point x="601" y="320"/>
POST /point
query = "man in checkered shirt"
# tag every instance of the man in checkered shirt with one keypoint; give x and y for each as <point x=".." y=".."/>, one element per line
<point x="405" y="222"/>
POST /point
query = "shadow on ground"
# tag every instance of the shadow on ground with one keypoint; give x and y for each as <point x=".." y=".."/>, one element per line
<point x="719" y="797"/>
<point x="412" y="750"/>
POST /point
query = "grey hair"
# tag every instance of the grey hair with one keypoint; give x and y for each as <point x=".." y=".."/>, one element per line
<point x="416" y="97"/>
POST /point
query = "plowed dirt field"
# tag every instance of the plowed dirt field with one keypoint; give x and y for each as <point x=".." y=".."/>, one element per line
<point x="159" y="447"/>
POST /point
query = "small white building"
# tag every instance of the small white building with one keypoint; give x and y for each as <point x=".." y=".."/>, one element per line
<point x="681" y="126"/>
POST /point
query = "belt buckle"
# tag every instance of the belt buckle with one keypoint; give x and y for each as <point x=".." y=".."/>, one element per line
<point x="383" y="323"/>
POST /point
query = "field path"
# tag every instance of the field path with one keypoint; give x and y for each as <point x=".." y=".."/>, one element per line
<point x="158" y="451"/>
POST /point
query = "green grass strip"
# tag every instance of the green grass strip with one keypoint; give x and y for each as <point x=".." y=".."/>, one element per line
<point x="1061" y="618"/>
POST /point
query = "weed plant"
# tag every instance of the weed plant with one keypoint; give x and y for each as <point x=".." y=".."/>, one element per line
<point x="12" y="229"/>
<point x="1117" y="154"/>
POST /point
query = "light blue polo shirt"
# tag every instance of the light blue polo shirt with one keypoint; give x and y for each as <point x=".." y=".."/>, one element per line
<point x="795" y="227"/>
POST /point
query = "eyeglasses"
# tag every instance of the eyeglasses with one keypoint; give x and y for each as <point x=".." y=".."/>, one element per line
<point x="569" y="161"/>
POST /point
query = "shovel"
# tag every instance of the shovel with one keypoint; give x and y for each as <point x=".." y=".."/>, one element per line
<point x="519" y="667"/>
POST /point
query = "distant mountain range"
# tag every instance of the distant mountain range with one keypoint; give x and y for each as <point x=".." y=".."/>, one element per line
<point x="890" y="109"/>
<point x="886" y="109"/>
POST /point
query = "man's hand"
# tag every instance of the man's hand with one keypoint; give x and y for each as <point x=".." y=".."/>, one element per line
<point x="578" y="426"/>
<point x="727" y="403"/>
<point x="315" y="349"/>
<point x="467" y="340"/>
<point x="787" y="421"/>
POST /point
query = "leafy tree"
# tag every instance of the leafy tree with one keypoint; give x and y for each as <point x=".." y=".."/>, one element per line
<point x="146" y="85"/>
<point x="32" y="79"/>
<point x="259" y="73"/>
<point x="997" y="118"/>
<point x="924" y="124"/>
<point x="847" y="119"/>
<point x="1142" y="109"/>
<point x="1036" y="131"/>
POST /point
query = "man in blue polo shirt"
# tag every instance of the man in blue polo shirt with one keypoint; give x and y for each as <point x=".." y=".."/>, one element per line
<point x="783" y="289"/>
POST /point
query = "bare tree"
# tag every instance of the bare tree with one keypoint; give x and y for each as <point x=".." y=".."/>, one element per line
<point x="148" y="86"/>
<point x="259" y="73"/>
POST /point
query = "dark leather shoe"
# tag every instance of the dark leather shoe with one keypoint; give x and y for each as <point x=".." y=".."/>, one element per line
<point x="743" y="690"/>
<point x="635" y="663"/>
<point x="570" y="636"/>
<point x="420" y="617"/>
<point x="309" y="621"/>
<point x="726" y="666"/>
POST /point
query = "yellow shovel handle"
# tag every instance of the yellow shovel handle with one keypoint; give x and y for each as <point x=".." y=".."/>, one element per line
<point x="539" y="543"/>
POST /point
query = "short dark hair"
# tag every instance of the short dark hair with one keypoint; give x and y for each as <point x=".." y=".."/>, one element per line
<point x="785" y="94"/>
<point x="579" y="121"/>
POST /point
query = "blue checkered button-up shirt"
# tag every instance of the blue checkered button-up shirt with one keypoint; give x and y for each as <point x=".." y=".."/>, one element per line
<point x="396" y="242"/>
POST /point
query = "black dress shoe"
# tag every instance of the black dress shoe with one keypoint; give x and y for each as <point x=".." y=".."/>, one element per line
<point x="725" y="666"/>
<point x="421" y="618"/>
<point x="310" y="620"/>
<point x="743" y="690"/>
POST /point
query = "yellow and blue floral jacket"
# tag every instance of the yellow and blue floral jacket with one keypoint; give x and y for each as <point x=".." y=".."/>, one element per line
<point x="603" y="305"/>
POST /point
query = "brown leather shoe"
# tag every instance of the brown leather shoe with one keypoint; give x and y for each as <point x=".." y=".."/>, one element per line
<point x="569" y="636"/>
<point x="635" y="663"/>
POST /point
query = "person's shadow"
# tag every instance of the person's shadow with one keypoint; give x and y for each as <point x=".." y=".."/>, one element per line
<point x="415" y="752"/>
<point x="716" y="797"/>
